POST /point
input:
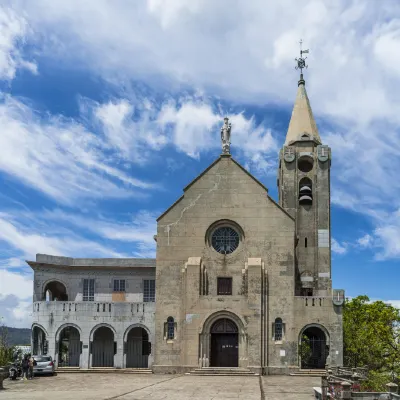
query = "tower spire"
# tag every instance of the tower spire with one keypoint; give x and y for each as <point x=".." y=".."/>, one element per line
<point x="302" y="120"/>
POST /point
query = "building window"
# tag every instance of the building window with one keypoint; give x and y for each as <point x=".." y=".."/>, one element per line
<point x="305" y="191"/>
<point x="278" y="330"/>
<point x="88" y="290"/>
<point x="224" y="286"/>
<point x="305" y="242"/>
<point x="149" y="290"/>
<point x="170" y="328"/>
<point x="225" y="240"/>
<point x="306" y="292"/>
<point x="119" y="285"/>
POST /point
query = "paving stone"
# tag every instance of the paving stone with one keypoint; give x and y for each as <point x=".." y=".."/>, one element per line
<point x="159" y="387"/>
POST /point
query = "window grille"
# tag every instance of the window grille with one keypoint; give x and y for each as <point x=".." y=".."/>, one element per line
<point x="225" y="240"/>
<point x="149" y="290"/>
<point x="119" y="285"/>
<point x="224" y="286"/>
<point x="170" y="328"/>
<point x="88" y="290"/>
<point x="278" y="332"/>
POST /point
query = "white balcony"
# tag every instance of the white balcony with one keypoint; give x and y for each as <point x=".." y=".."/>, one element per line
<point x="89" y="309"/>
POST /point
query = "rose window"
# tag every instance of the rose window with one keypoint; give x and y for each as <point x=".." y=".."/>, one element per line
<point x="225" y="240"/>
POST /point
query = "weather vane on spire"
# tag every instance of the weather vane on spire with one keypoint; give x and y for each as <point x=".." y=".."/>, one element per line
<point x="301" y="61"/>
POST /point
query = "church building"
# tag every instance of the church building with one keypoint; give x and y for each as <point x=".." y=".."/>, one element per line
<point x="239" y="280"/>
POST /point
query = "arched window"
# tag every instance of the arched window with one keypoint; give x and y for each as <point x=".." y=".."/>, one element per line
<point x="305" y="191"/>
<point x="278" y="329"/>
<point x="170" y="328"/>
<point x="55" y="290"/>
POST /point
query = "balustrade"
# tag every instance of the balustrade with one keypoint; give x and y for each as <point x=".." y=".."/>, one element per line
<point x="90" y="308"/>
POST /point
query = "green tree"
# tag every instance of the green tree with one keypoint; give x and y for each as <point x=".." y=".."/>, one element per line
<point x="371" y="332"/>
<point x="6" y="351"/>
<point x="305" y="349"/>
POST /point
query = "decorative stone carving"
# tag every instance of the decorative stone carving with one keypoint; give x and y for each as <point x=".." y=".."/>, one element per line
<point x="323" y="153"/>
<point x="338" y="297"/>
<point x="226" y="136"/>
<point x="289" y="154"/>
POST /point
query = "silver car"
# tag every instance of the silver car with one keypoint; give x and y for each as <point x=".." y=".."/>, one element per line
<point x="44" y="365"/>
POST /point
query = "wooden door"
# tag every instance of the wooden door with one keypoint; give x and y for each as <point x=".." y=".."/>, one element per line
<point x="224" y="350"/>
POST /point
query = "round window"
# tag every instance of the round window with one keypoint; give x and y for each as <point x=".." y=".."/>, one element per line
<point x="225" y="240"/>
<point x="305" y="164"/>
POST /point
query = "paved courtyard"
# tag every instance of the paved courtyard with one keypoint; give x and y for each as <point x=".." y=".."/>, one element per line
<point x="159" y="387"/>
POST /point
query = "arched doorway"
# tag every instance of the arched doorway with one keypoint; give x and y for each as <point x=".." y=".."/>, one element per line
<point x="55" y="290"/>
<point x="137" y="348"/>
<point x="224" y="344"/>
<point x="103" y="347"/>
<point x="39" y="341"/>
<point x="69" y="347"/>
<point x="313" y="348"/>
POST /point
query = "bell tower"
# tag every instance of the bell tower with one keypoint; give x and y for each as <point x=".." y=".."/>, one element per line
<point x="304" y="191"/>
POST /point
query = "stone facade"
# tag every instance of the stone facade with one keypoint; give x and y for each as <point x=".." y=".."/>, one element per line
<point x="281" y="271"/>
<point x="240" y="280"/>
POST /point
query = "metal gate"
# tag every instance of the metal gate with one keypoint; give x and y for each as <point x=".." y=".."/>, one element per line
<point x="318" y="354"/>
<point x="69" y="348"/>
<point x="103" y="348"/>
<point x="137" y="348"/>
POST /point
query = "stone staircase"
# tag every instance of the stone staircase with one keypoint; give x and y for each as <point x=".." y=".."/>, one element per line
<point x="104" y="370"/>
<point x="309" y="372"/>
<point x="221" y="371"/>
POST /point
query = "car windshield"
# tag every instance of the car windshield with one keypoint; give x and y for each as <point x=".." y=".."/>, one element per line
<point x="42" y="358"/>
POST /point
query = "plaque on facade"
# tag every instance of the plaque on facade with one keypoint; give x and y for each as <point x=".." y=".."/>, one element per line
<point x="338" y="297"/>
<point x="289" y="154"/>
<point x="323" y="153"/>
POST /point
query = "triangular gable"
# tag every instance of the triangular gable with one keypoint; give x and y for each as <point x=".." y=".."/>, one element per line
<point x="207" y="169"/>
<point x="216" y="162"/>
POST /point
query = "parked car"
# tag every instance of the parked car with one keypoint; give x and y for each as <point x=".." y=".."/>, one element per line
<point x="44" y="365"/>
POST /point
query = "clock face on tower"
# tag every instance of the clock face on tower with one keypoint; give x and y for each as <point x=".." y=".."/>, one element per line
<point x="225" y="240"/>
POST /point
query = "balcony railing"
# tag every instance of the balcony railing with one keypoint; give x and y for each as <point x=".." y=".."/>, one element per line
<point x="91" y="308"/>
<point x="316" y="301"/>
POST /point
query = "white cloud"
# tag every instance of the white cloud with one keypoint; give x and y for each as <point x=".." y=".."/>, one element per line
<point x="59" y="156"/>
<point x="365" y="241"/>
<point x="193" y="126"/>
<point x="337" y="247"/>
<point x="388" y="238"/>
<point x="196" y="128"/>
<point x="140" y="228"/>
<point x="14" y="312"/>
<point x="394" y="303"/>
<point x="12" y="283"/>
<point x="13" y="29"/>
<point x="134" y="139"/>
<point x="15" y="298"/>
<point x="28" y="241"/>
<point x="191" y="43"/>
<point x="12" y="262"/>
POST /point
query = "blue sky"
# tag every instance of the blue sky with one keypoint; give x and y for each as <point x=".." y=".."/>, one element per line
<point x="108" y="109"/>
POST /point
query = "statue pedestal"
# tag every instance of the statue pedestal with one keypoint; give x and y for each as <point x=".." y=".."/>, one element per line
<point x="3" y="375"/>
